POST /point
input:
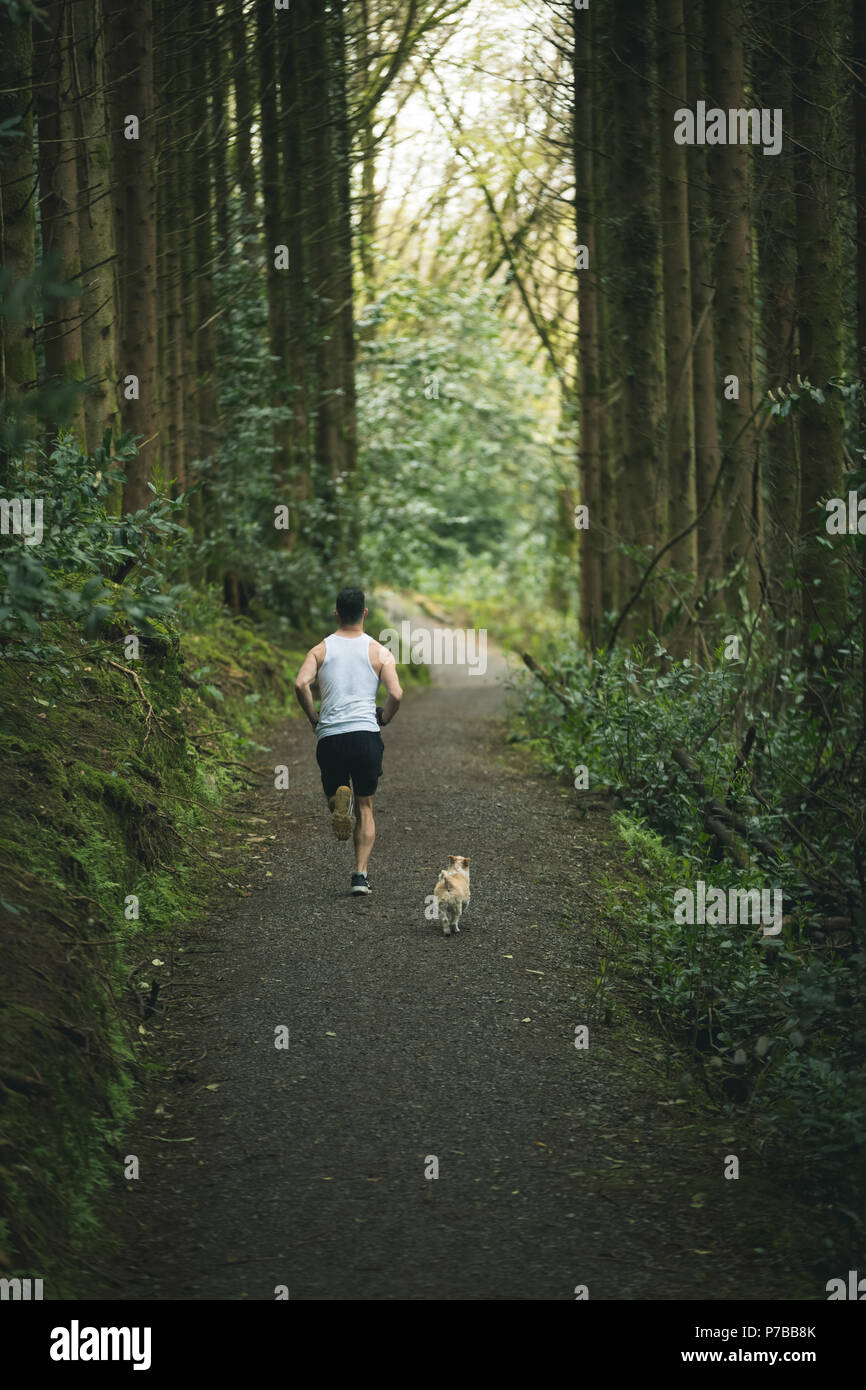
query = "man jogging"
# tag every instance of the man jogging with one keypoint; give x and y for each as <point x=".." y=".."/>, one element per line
<point x="349" y="666"/>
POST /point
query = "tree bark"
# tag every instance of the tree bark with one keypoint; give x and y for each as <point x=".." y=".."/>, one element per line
<point x="819" y="276"/>
<point x="17" y="201"/>
<point x="56" y="109"/>
<point x="777" y="260"/>
<point x="328" y="253"/>
<point x="130" y="52"/>
<point x="729" y="167"/>
<point x="219" y="137"/>
<point x="193" y="436"/>
<point x="859" y="97"/>
<point x="296" y="175"/>
<point x="704" y="379"/>
<point x="677" y="281"/>
<point x="584" y="139"/>
<point x="203" y="239"/>
<point x="244" y="164"/>
<point x="172" y="194"/>
<point x="96" y="230"/>
<point x="277" y="279"/>
<point x="642" y="493"/>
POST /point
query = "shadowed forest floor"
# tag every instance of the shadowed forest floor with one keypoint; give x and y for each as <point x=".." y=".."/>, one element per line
<point x="305" y="1167"/>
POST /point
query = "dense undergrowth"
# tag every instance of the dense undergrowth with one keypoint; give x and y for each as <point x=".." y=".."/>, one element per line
<point x="724" y="773"/>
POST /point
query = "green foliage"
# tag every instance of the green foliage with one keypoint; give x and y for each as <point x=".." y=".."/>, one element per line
<point x="457" y="433"/>
<point x="71" y="572"/>
<point x="775" y="1023"/>
<point x="457" y="467"/>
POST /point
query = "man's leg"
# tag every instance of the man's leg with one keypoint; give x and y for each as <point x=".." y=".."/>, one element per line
<point x="330" y="755"/>
<point x="365" y="832"/>
<point x="340" y="806"/>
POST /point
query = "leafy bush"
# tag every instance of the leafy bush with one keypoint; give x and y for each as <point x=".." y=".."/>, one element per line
<point x="775" y="1023"/>
<point x="90" y="566"/>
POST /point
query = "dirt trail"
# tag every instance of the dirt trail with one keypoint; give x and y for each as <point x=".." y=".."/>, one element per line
<point x="306" y="1166"/>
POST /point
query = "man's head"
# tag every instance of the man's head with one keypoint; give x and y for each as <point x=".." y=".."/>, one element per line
<point x="350" y="606"/>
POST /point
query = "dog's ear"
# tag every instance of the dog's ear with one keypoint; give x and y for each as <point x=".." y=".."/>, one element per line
<point x="452" y="858"/>
<point x="466" y="861"/>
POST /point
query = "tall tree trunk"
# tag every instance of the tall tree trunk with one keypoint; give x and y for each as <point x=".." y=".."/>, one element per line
<point x="164" y="217"/>
<point x="171" y="187"/>
<point x="130" y="54"/>
<point x="96" y="230"/>
<point x="328" y="251"/>
<point x="642" y="492"/>
<point x="729" y="167"/>
<point x="777" y="260"/>
<point x="56" y="110"/>
<point x="17" y="201"/>
<point x="859" y="93"/>
<point x="244" y="165"/>
<point x="194" y="447"/>
<point x="219" y="136"/>
<point x="345" y="305"/>
<point x="819" y="277"/>
<point x="295" y="163"/>
<point x="676" y="263"/>
<point x="584" y="140"/>
<point x="704" y="379"/>
<point x="369" y="203"/>
<point x="277" y="274"/>
<point x="614" y="588"/>
<point x="205" y="198"/>
<point x="203" y="241"/>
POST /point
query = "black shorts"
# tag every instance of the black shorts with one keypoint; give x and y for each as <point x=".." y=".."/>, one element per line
<point x="354" y="757"/>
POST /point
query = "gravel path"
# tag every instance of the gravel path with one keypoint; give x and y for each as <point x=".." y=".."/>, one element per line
<point x="305" y="1167"/>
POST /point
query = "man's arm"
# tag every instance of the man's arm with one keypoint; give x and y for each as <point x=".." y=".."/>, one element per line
<point x="304" y="679"/>
<point x="390" y="680"/>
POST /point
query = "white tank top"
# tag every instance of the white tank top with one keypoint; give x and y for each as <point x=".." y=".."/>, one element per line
<point x="348" y="686"/>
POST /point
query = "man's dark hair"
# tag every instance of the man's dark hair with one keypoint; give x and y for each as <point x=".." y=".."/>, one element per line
<point x="350" y="605"/>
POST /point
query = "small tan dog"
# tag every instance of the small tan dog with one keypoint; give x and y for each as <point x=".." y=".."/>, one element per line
<point x="452" y="892"/>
